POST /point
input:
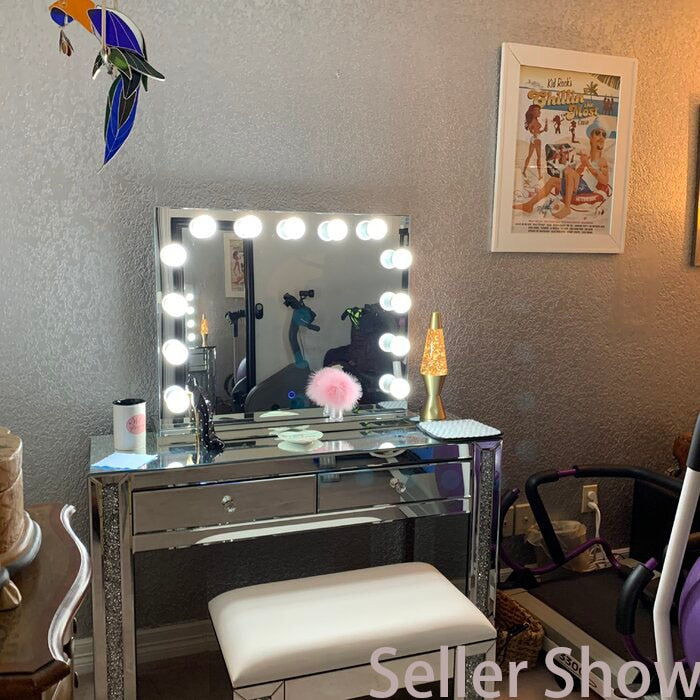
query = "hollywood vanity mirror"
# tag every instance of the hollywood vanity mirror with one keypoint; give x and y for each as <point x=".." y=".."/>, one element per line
<point x="250" y="303"/>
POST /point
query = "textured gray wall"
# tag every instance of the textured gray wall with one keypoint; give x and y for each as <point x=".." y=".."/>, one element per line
<point x="348" y="105"/>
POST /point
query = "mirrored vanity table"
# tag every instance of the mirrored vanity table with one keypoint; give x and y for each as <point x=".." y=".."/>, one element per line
<point x="375" y="466"/>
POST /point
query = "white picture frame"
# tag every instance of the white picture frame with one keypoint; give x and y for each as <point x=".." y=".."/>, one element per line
<point x="591" y="217"/>
<point x="234" y="259"/>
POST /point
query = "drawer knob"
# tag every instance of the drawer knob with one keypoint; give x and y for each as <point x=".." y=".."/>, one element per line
<point x="227" y="503"/>
<point x="397" y="485"/>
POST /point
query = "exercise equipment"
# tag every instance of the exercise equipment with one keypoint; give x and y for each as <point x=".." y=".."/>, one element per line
<point x="236" y="384"/>
<point x="286" y="388"/>
<point x="608" y="610"/>
<point x="689" y="603"/>
<point x="362" y="357"/>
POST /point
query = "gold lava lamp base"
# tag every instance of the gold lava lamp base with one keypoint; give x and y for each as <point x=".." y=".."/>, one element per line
<point x="433" y="408"/>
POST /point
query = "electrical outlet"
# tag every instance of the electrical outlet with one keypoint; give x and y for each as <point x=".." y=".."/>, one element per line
<point x="588" y="492"/>
<point x="508" y="523"/>
<point x="524" y="519"/>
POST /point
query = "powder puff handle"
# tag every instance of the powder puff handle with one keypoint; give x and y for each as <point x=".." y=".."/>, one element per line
<point x="331" y="387"/>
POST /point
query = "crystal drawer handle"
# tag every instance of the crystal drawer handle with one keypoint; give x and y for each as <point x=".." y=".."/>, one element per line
<point x="397" y="485"/>
<point x="227" y="503"/>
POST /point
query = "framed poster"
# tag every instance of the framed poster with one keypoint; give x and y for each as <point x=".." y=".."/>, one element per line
<point x="235" y="265"/>
<point x="563" y="153"/>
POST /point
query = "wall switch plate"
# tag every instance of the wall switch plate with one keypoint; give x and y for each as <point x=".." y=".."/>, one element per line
<point x="524" y="519"/>
<point x="585" y="493"/>
<point x="508" y="523"/>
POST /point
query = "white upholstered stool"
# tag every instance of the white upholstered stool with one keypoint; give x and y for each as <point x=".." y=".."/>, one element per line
<point x="313" y="637"/>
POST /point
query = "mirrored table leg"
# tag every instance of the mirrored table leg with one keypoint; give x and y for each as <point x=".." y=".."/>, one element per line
<point x="114" y="644"/>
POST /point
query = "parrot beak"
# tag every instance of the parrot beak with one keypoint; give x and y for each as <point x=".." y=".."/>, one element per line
<point x="58" y="15"/>
<point x="65" y="11"/>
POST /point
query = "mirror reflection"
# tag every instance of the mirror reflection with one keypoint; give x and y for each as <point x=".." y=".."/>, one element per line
<point x="250" y="303"/>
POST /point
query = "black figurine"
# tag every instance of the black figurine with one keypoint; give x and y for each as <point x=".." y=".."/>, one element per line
<point x="204" y="419"/>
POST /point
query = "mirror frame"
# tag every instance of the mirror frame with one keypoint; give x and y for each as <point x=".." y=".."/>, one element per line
<point x="170" y="225"/>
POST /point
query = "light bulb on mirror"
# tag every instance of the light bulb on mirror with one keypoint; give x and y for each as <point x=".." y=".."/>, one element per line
<point x="291" y="229"/>
<point x="174" y="304"/>
<point x="189" y="296"/>
<point x="400" y="346"/>
<point x="400" y="303"/>
<point x="399" y="259"/>
<point x="402" y="258"/>
<point x="385" y="301"/>
<point x="397" y="345"/>
<point x="337" y="229"/>
<point x="385" y="382"/>
<point x="191" y="337"/>
<point x="377" y="229"/>
<point x="190" y="310"/>
<point x="323" y="232"/>
<point x="333" y="230"/>
<point x="176" y="399"/>
<point x="387" y="259"/>
<point x="175" y="352"/>
<point x="190" y="323"/>
<point x="173" y="255"/>
<point x="203" y="226"/>
<point x="361" y="230"/>
<point x="385" y="341"/>
<point x="248" y="226"/>
<point x="400" y="388"/>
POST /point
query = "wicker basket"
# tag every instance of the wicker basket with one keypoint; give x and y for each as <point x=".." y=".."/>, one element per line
<point x="520" y="635"/>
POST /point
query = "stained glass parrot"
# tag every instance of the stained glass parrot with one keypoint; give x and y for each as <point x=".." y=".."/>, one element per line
<point x="123" y="52"/>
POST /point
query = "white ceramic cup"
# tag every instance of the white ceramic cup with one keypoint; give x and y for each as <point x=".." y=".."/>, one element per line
<point x="129" y="417"/>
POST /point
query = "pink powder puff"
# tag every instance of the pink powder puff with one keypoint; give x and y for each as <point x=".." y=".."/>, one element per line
<point x="332" y="388"/>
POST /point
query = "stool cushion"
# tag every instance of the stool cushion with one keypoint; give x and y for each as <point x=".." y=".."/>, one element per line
<point x="277" y="631"/>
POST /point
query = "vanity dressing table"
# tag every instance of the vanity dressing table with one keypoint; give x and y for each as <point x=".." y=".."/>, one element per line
<point x="374" y="467"/>
<point x="269" y="297"/>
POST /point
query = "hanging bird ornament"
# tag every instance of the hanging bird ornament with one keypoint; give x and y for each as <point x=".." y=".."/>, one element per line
<point x="123" y="55"/>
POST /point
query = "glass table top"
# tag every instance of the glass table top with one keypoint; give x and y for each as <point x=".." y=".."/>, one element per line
<point x="364" y="437"/>
<point x="388" y="439"/>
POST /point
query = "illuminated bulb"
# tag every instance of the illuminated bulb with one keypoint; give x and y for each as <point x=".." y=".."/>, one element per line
<point x="323" y="232"/>
<point x="385" y="382"/>
<point x="377" y="229"/>
<point x="190" y="310"/>
<point x="361" y="230"/>
<point x="385" y="301"/>
<point x="174" y="465"/>
<point x="337" y="229"/>
<point x="387" y="259"/>
<point x="291" y="229"/>
<point x="203" y="226"/>
<point x="176" y="399"/>
<point x="174" y="304"/>
<point x="189" y="296"/>
<point x="400" y="303"/>
<point x="387" y="446"/>
<point x="400" y="346"/>
<point x="191" y="337"/>
<point x="385" y="341"/>
<point x="175" y="352"/>
<point x="248" y="226"/>
<point x="402" y="258"/>
<point x="173" y="255"/>
<point x="190" y="323"/>
<point x="400" y="388"/>
<point x="333" y="230"/>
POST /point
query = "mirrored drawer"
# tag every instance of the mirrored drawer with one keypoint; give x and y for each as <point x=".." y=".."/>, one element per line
<point x="223" y="504"/>
<point x="368" y="487"/>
